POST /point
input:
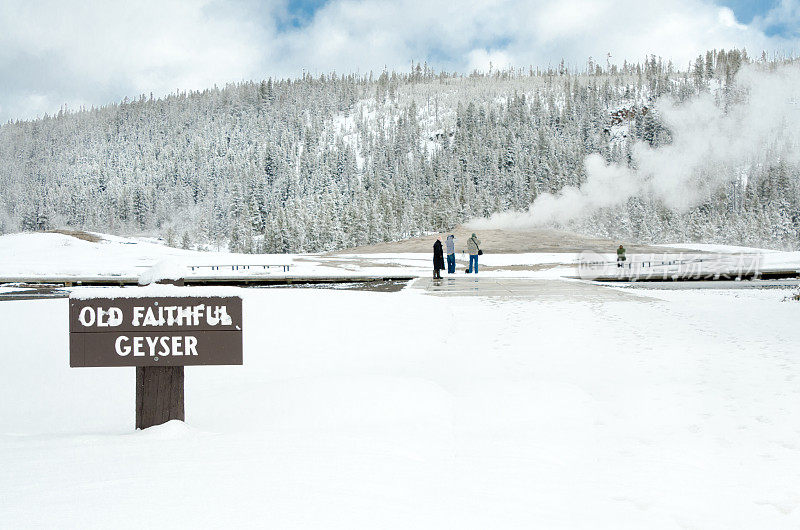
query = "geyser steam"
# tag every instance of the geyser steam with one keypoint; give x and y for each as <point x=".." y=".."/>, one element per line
<point x="710" y="147"/>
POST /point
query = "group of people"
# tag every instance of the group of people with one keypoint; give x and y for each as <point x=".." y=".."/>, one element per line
<point x="473" y="248"/>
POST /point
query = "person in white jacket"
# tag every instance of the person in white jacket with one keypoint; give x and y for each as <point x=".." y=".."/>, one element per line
<point x="450" y="244"/>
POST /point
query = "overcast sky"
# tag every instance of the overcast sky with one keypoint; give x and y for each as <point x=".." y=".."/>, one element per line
<point x="88" y="52"/>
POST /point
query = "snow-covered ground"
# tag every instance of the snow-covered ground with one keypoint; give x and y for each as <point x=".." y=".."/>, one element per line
<point x="32" y="255"/>
<point x="38" y="255"/>
<point x="674" y="409"/>
<point x="552" y="404"/>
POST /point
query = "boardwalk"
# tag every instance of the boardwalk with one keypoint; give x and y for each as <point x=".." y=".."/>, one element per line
<point x="547" y="290"/>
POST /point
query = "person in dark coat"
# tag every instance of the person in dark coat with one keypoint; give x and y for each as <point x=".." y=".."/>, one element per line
<point x="438" y="259"/>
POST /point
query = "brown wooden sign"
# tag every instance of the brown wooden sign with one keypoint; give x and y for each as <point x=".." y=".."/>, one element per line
<point x="179" y="331"/>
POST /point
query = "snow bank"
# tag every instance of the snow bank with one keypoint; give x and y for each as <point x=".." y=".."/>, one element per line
<point x="172" y="430"/>
<point x="163" y="270"/>
<point x="153" y="290"/>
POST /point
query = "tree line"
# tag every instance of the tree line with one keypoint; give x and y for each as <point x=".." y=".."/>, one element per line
<point x="333" y="161"/>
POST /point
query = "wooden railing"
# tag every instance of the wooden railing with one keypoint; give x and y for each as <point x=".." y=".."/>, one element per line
<point x="236" y="267"/>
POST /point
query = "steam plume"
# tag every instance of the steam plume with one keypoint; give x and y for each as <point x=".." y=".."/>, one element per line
<point x="711" y="147"/>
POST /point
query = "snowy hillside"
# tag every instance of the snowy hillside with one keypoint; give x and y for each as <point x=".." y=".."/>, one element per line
<point x="336" y="161"/>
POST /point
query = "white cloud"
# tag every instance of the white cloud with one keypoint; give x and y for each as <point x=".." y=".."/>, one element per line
<point x="484" y="61"/>
<point x="462" y="35"/>
<point x="728" y="18"/>
<point x="784" y="13"/>
<point x="73" y="51"/>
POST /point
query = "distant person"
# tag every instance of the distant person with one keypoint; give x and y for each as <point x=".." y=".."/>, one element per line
<point x="450" y="243"/>
<point x="474" y="249"/>
<point x="620" y="256"/>
<point x="438" y="259"/>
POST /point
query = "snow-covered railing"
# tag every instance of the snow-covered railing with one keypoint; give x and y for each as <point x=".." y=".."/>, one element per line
<point x="236" y="267"/>
<point x="709" y="266"/>
<point x="643" y="263"/>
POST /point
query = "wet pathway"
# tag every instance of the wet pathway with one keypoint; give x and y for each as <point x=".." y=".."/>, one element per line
<point x="554" y="290"/>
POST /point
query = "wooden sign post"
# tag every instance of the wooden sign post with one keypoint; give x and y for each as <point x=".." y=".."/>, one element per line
<point x="159" y="336"/>
<point x="159" y="395"/>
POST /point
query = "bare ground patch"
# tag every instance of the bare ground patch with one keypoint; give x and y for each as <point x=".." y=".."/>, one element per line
<point x="511" y="242"/>
<point x="79" y="234"/>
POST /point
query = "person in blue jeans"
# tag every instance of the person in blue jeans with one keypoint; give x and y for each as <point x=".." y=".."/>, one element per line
<point x="473" y="247"/>
<point x="450" y="243"/>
